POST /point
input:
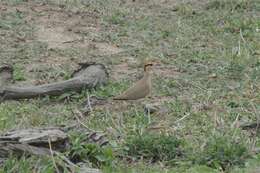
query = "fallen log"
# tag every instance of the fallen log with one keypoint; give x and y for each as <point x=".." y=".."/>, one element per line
<point x="49" y="141"/>
<point x="90" y="75"/>
<point x="249" y="126"/>
<point x="21" y="149"/>
<point x="32" y="141"/>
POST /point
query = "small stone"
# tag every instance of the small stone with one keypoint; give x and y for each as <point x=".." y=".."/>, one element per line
<point x="149" y="108"/>
<point x="155" y="108"/>
<point x="6" y="75"/>
<point x="213" y="75"/>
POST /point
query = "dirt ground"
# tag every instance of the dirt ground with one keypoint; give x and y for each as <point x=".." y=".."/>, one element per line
<point x="206" y="83"/>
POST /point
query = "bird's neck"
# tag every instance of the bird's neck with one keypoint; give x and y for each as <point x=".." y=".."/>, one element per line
<point x="147" y="75"/>
<point x="148" y="79"/>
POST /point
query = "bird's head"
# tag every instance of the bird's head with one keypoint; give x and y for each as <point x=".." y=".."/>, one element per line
<point x="149" y="64"/>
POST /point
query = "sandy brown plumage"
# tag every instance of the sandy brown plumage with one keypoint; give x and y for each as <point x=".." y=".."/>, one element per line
<point x="140" y="89"/>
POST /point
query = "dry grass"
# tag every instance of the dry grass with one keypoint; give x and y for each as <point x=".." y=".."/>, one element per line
<point x="207" y="81"/>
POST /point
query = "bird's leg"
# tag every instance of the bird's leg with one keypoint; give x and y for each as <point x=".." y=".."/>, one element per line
<point x="149" y="97"/>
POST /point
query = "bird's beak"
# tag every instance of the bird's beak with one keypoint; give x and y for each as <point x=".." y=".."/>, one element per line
<point x="156" y="64"/>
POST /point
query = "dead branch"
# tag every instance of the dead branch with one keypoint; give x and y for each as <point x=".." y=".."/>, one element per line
<point x="51" y="141"/>
<point x="89" y="76"/>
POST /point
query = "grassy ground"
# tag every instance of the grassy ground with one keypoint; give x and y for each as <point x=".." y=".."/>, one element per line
<point x="207" y="81"/>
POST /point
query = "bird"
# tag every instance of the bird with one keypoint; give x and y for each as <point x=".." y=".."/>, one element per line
<point x="141" y="88"/>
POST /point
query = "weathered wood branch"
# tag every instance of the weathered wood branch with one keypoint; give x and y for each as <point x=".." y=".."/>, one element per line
<point x="37" y="141"/>
<point x="32" y="141"/>
<point x="89" y="76"/>
<point x="249" y="126"/>
<point x="20" y="149"/>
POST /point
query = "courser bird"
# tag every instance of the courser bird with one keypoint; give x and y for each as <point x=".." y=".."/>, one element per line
<point x="141" y="88"/>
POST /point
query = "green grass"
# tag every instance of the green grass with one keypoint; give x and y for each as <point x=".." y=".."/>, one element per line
<point x="154" y="147"/>
<point x="222" y="152"/>
<point x="83" y="151"/>
<point x="212" y="53"/>
<point x="25" y="165"/>
<point x="19" y="74"/>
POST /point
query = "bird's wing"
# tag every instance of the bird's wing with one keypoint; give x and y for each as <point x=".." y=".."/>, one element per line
<point x="139" y="90"/>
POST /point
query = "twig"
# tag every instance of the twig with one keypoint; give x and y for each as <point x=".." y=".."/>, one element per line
<point x="197" y="86"/>
<point x="149" y="116"/>
<point x="239" y="51"/>
<point x="216" y="120"/>
<point x="70" y="165"/>
<point x="89" y="104"/>
<point x="243" y="39"/>
<point x="235" y="125"/>
<point x="182" y="118"/>
<point x="75" y="114"/>
<point x="70" y="41"/>
<point x="257" y="124"/>
<point x="73" y="167"/>
<point x="235" y="122"/>
<point x="54" y="163"/>
<point x="241" y="35"/>
<point x="117" y="125"/>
